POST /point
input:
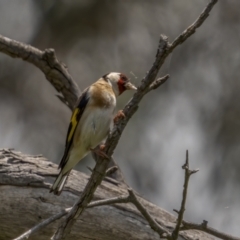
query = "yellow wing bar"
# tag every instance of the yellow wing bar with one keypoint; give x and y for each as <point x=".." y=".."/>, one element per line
<point x="74" y="122"/>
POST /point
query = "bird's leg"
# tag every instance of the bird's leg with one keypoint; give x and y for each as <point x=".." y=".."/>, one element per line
<point x="102" y="147"/>
<point x="119" y="115"/>
<point x="100" y="151"/>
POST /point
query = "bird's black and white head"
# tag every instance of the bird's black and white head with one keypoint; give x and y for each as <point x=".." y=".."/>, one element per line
<point x="119" y="82"/>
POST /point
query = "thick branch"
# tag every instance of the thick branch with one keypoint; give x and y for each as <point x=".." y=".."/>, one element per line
<point x="25" y="201"/>
<point x="55" y="72"/>
<point x="45" y="223"/>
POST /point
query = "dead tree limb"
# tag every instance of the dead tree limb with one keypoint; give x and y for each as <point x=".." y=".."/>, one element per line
<point x="25" y="202"/>
<point x="180" y="213"/>
<point x="55" y="72"/>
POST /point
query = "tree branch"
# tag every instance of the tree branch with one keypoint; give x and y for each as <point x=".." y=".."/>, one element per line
<point x="112" y="141"/>
<point x="130" y="198"/>
<point x="188" y="173"/>
<point x="55" y="72"/>
<point x="164" y="49"/>
<point x="43" y="224"/>
<point x="158" y="82"/>
<point x="163" y="233"/>
<point x="203" y="227"/>
<point x="25" y="181"/>
<point x="192" y="28"/>
<point x="121" y="199"/>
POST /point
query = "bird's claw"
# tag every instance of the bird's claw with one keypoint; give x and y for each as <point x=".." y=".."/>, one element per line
<point x="119" y="115"/>
<point x="100" y="151"/>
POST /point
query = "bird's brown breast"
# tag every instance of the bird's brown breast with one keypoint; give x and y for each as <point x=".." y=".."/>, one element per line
<point x="102" y="95"/>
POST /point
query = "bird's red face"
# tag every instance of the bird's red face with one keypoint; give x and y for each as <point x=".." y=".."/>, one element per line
<point x="119" y="82"/>
<point x="124" y="84"/>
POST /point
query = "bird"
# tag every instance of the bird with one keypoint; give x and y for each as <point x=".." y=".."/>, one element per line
<point x="90" y="123"/>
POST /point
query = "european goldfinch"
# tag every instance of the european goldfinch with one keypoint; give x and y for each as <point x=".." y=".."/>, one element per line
<point x="90" y="122"/>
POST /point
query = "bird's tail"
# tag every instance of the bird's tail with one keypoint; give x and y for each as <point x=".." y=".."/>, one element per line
<point x="59" y="183"/>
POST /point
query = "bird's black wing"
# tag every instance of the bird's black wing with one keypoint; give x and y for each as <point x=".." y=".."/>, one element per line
<point x="76" y="116"/>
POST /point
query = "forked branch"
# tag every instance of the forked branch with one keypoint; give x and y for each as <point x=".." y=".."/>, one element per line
<point x="188" y="173"/>
<point x="164" y="49"/>
<point x="59" y="77"/>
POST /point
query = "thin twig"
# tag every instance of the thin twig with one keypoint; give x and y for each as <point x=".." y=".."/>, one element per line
<point x="111" y="170"/>
<point x="121" y="199"/>
<point x="162" y="232"/>
<point x="43" y="224"/>
<point x="111" y="180"/>
<point x="117" y="175"/>
<point x="48" y="221"/>
<point x="157" y="83"/>
<point x="203" y="227"/>
<point x="188" y="173"/>
<point x="192" y="28"/>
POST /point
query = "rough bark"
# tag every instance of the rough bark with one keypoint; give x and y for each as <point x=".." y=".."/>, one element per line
<point x="25" y="201"/>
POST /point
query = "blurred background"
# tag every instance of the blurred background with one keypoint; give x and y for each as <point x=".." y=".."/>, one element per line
<point x="197" y="109"/>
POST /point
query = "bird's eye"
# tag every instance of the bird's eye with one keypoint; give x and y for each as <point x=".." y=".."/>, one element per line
<point x="123" y="78"/>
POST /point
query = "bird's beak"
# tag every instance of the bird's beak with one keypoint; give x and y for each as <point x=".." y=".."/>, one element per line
<point x="130" y="86"/>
